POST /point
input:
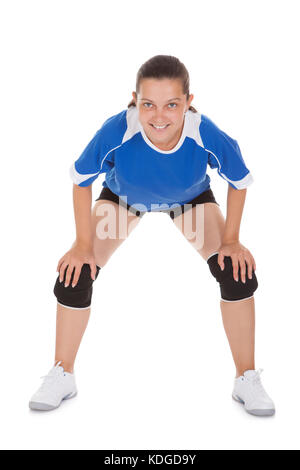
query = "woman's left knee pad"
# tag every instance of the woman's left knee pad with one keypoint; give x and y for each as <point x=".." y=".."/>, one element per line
<point x="231" y="289"/>
<point x="79" y="296"/>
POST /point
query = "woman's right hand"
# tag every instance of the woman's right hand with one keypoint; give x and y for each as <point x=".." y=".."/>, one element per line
<point x="74" y="259"/>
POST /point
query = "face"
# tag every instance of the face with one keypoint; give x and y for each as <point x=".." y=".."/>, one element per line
<point x="162" y="105"/>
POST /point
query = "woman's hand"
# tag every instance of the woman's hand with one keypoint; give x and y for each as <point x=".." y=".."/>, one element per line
<point x="75" y="258"/>
<point x="239" y="255"/>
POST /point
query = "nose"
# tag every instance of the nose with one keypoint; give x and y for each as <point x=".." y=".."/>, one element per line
<point x="159" y="117"/>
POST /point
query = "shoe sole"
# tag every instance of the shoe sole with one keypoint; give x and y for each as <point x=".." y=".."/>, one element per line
<point x="36" y="406"/>
<point x="266" y="412"/>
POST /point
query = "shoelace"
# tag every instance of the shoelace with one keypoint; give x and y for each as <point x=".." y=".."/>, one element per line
<point x="256" y="382"/>
<point x="53" y="374"/>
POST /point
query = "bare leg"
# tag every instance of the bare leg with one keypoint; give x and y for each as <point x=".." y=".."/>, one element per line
<point x="70" y="327"/>
<point x="238" y="317"/>
<point x="239" y="324"/>
<point x="71" y="323"/>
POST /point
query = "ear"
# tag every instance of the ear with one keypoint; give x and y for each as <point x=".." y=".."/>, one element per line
<point x="134" y="96"/>
<point x="189" y="101"/>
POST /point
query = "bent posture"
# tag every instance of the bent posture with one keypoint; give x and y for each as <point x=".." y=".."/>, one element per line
<point x="155" y="155"/>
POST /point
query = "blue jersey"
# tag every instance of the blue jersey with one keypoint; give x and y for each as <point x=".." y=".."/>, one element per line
<point x="142" y="174"/>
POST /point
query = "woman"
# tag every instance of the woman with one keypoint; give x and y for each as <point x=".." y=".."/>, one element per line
<point x="155" y="155"/>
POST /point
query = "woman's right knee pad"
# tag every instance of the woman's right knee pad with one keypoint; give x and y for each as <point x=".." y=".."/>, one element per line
<point x="79" y="296"/>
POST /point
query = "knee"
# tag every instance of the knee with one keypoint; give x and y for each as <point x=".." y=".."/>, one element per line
<point x="79" y="296"/>
<point x="231" y="289"/>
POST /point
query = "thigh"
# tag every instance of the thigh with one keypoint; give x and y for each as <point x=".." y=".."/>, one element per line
<point x="111" y="225"/>
<point x="203" y="226"/>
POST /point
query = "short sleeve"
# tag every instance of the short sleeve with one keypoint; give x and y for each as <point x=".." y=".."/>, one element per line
<point x="224" y="154"/>
<point x="93" y="161"/>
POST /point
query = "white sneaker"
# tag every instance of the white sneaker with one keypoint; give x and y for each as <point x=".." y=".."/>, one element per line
<point x="248" y="390"/>
<point x="58" y="385"/>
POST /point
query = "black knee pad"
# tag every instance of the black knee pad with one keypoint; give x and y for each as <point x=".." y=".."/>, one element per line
<point x="231" y="289"/>
<point x="79" y="296"/>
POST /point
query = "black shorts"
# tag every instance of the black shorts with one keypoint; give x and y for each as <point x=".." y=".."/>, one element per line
<point x="206" y="196"/>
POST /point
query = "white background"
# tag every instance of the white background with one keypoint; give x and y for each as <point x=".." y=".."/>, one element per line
<point x="154" y="370"/>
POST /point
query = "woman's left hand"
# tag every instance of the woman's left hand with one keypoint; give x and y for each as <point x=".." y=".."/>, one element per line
<point x="239" y="255"/>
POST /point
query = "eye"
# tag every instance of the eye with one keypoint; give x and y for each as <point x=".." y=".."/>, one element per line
<point x="147" y="103"/>
<point x="174" y="104"/>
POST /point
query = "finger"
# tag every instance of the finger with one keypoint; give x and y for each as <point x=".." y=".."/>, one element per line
<point x="62" y="271"/>
<point x="221" y="260"/>
<point x="59" y="264"/>
<point x="235" y="265"/>
<point x="249" y="267"/>
<point x="93" y="271"/>
<point x="243" y="269"/>
<point x="76" y="275"/>
<point x="252" y="261"/>
<point x="69" y="274"/>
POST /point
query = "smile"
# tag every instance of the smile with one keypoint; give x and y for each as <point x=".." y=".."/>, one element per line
<point x="159" y="127"/>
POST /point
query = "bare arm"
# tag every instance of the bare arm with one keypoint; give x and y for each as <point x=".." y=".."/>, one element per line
<point x="235" y="205"/>
<point x="82" y="201"/>
<point x="231" y="245"/>
<point x="82" y="249"/>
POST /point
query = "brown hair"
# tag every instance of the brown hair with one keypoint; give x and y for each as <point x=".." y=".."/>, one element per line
<point x="164" y="66"/>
